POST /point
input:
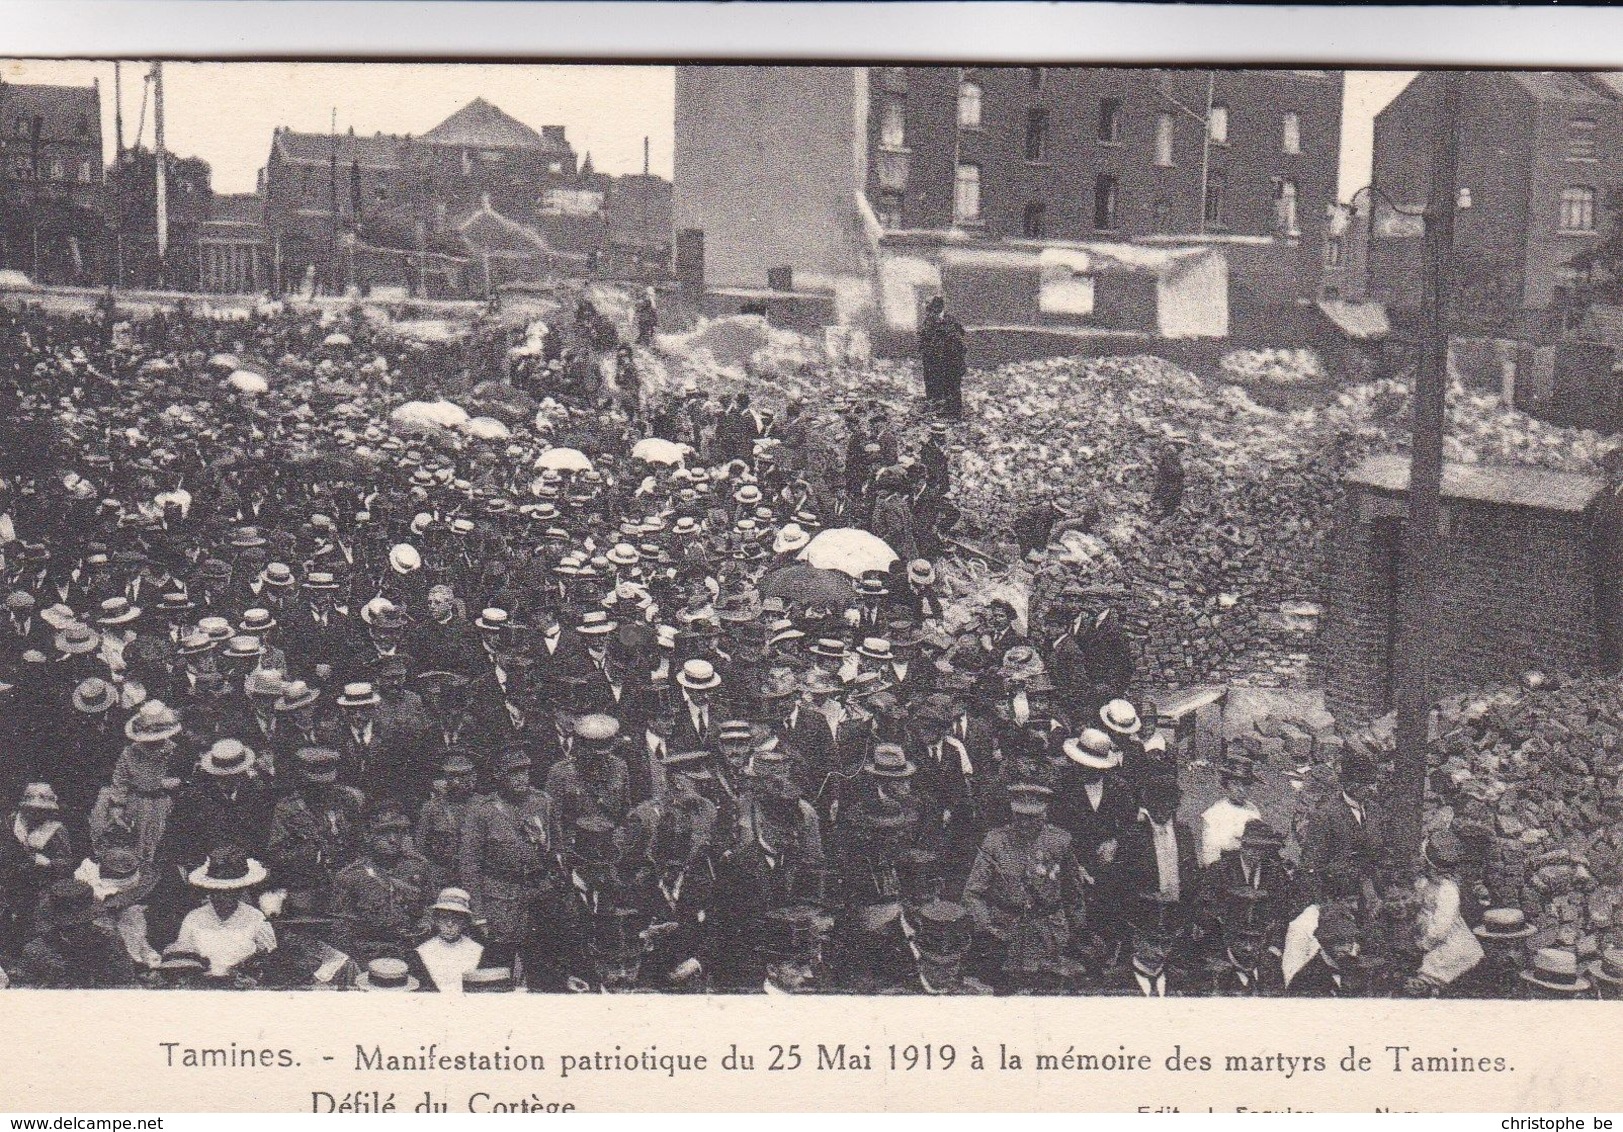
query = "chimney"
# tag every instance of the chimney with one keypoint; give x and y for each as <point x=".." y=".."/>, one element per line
<point x="554" y="134"/>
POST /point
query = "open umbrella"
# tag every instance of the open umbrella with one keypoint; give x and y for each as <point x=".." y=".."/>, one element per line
<point x="247" y="381"/>
<point x="337" y="339"/>
<point x="850" y="551"/>
<point x="564" y="460"/>
<point x="429" y="415"/>
<point x="804" y="585"/>
<point x="227" y="362"/>
<point x="657" y="451"/>
<point x="486" y="428"/>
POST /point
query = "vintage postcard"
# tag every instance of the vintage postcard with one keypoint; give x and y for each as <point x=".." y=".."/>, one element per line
<point x="1132" y="549"/>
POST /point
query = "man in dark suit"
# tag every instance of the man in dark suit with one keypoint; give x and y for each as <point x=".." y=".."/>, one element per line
<point x="1157" y="851"/>
<point x="1346" y="831"/>
<point x="1092" y="804"/>
<point x="1330" y="973"/>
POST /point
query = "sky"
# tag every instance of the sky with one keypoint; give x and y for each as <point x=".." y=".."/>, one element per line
<point x="225" y="112"/>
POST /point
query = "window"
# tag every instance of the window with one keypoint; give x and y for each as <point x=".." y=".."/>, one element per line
<point x="1036" y="134"/>
<point x="59" y="171"/>
<point x="1578" y="209"/>
<point x="1105" y="194"/>
<point x="1285" y="217"/>
<point x="1032" y="224"/>
<point x="1217" y="125"/>
<point x="966" y="200"/>
<point x="1163" y="140"/>
<point x="1290" y="134"/>
<point x="87" y="171"/>
<point x="1035" y="76"/>
<point x="969" y="105"/>
<point x="890" y="210"/>
<point x="82" y="127"/>
<point x="1333" y="252"/>
<point x="1216" y="194"/>
<point x="20" y="126"/>
<point x="555" y="167"/>
<point x="1110" y="120"/>
<point x="892" y="125"/>
<point x="21" y="168"/>
<point x="1581" y="140"/>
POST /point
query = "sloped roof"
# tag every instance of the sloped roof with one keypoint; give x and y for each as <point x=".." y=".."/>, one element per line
<point x="1357" y="320"/>
<point x="1551" y="86"/>
<point x="481" y="125"/>
<point x="369" y="151"/>
<point x="61" y="110"/>
<point x="486" y="230"/>
<point x="1505" y="485"/>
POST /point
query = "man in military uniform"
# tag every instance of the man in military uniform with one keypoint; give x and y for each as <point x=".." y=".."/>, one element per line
<point x="439" y="825"/>
<point x="379" y="898"/>
<point x="591" y="779"/>
<point x="509" y="864"/>
<point x="1025" y="894"/>
<point x="315" y="830"/>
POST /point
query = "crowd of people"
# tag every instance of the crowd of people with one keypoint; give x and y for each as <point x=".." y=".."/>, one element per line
<point x="292" y="698"/>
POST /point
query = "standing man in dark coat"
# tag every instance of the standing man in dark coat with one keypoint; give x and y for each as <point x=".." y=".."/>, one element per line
<point x="941" y="353"/>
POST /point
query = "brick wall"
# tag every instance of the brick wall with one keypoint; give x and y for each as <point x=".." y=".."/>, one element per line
<point x="1522" y="590"/>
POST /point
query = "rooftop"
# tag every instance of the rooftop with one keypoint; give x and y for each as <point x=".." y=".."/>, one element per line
<point x="482" y="125"/>
<point x="66" y="113"/>
<point x="1504" y="485"/>
<point x="369" y="151"/>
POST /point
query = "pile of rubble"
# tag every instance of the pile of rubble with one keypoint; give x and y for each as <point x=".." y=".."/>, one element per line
<point x="1208" y="592"/>
<point x="1280" y="366"/>
<point x="1534" y="771"/>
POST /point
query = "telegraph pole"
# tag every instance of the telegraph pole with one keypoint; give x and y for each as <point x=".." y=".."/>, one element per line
<point x="1422" y="559"/>
<point x="161" y="162"/>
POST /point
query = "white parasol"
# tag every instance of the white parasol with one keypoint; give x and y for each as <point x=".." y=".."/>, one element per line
<point x="486" y="428"/>
<point x="429" y="415"/>
<point x="247" y="381"/>
<point x="850" y="551"/>
<point x="655" y="450"/>
<point x="564" y="460"/>
<point x="226" y="362"/>
<point x="337" y="339"/>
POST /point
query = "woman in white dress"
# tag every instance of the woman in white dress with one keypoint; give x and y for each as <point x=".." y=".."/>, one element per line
<point x="228" y="931"/>
<point x="1450" y="947"/>
<point x="450" y="953"/>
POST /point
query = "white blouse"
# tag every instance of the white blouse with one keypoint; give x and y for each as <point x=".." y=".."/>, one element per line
<point x="227" y="943"/>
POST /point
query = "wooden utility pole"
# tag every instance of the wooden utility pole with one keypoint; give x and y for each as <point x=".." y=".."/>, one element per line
<point x="1422" y="560"/>
<point x="118" y="114"/>
<point x="161" y="163"/>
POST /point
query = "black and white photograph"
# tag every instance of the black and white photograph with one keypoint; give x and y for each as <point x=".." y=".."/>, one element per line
<point x="807" y="529"/>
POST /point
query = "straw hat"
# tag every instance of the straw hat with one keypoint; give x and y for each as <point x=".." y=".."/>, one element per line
<point x="77" y="640"/>
<point x="387" y="974"/>
<point x="227" y="869"/>
<point x="1556" y="969"/>
<point x="455" y="900"/>
<point x="1504" y="924"/>
<point x="698" y="675"/>
<point x="1121" y="717"/>
<point x="153" y="722"/>
<point x="1092" y="749"/>
<point x="94" y="696"/>
<point x="226" y="758"/>
<point x="404" y="558"/>
<point x="118" y="611"/>
<point x="296" y="694"/>
<point x="358" y="694"/>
